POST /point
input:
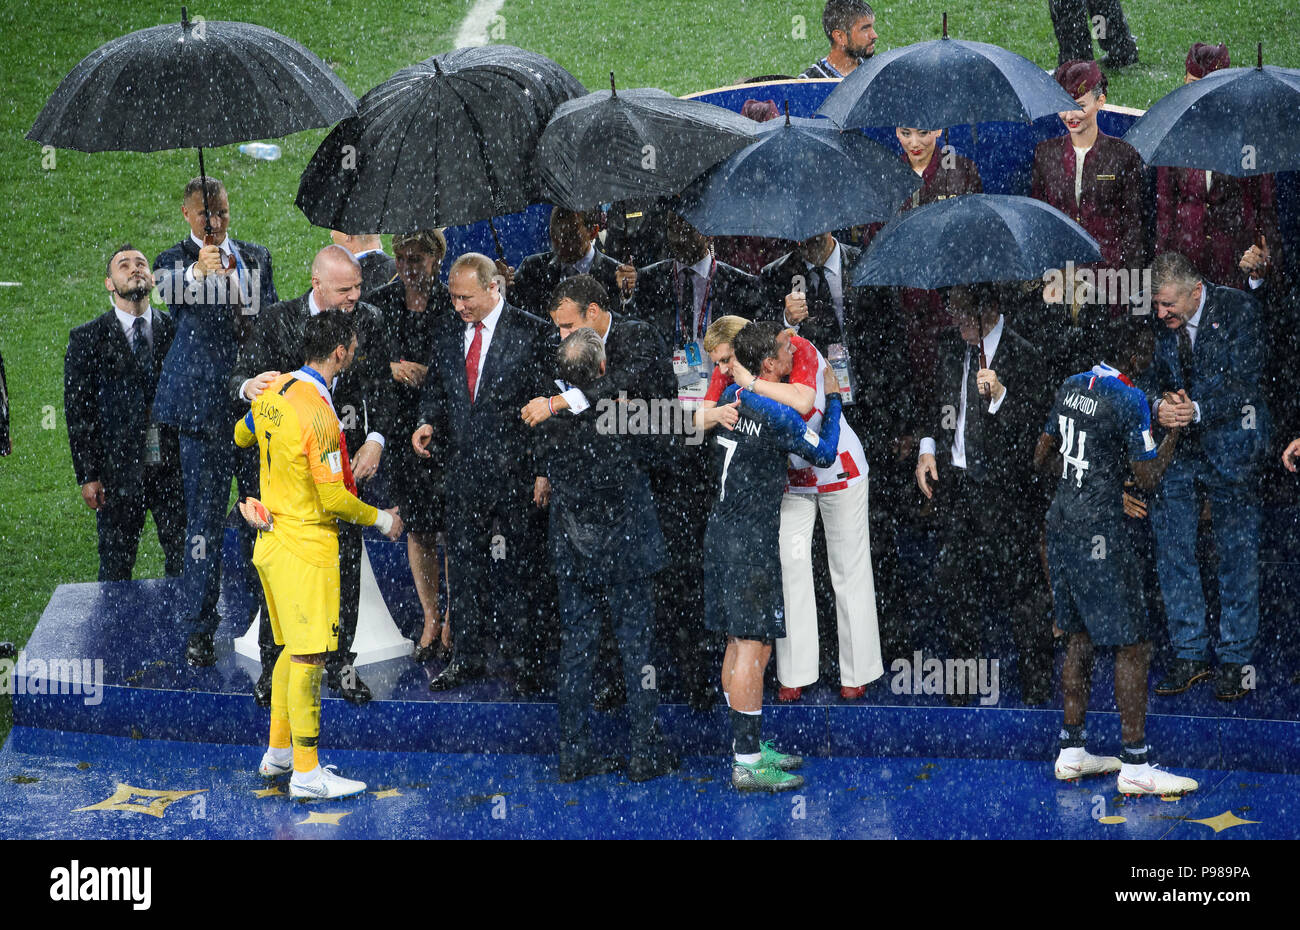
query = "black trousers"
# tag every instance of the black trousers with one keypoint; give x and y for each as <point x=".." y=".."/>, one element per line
<point x="1072" y="21"/>
<point x="629" y="608"/>
<point x="120" y="521"/>
<point x="498" y="576"/>
<point x="989" y="563"/>
<point x="684" y="494"/>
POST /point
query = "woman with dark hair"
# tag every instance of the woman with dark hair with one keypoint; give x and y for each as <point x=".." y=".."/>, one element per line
<point x="411" y="306"/>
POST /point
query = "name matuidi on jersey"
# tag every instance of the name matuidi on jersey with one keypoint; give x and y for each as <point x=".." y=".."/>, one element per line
<point x="1077" y="401"/>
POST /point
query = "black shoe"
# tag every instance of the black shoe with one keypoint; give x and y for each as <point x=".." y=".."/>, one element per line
<point x="424" y="654"/>
<point x="703" y="699"/>
<point x="1182" y="675"/>
<point x="594" y="765"/>
<point x="7" y="651"/>
<point x="455" y="675"/>
<point x="1037" y="694"/>
<point x="199" y="651"/>
<point x="262" y="690"/>
<point x="348" y="684"/>
<point x="607" y="699"/>
<point x="1119" y="61"/>
<point x="644" y="768"/>
<point x="1228" y="683"/>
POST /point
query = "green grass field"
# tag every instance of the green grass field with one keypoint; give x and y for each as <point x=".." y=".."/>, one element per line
<point x="56" y="222"/>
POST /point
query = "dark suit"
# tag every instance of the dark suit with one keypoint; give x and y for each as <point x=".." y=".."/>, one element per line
<point x="107" y="401"/>
<point x="605" y="548"/>
<point x="490" y="473"/>
<point x="363" y="401"/>
<point x="538" y="275"/>
<point x="377" y="269"/>
<point x="1220" y="454"/>
<point x="1110" y="204"/>
<point x="991" y="512"/>
<point x="210" y="325"/>
<point x="732" y="292"/>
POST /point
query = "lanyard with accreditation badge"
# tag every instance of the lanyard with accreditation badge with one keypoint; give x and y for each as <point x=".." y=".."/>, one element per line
<point x="683" y="329"/>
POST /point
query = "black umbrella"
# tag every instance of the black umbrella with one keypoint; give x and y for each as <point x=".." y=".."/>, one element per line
<point x="1238" y="121"/>
<point x="972" y="238"/>
<point x="945" y="82"/>
<point x="615" y="145"/>
<point x="799" y="178"/>
<point x="445" y="142"/>
<point x="191" y="85"/>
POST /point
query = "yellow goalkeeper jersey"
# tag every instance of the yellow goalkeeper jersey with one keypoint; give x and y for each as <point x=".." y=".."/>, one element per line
<point x="294" y="424"/>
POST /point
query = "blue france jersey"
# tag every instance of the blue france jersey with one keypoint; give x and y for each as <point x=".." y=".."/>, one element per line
<point x="744" y="525"/>
<point x="1103" y="424"/>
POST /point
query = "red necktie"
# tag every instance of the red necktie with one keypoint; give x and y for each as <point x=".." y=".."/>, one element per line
<point x="471" y="359"/>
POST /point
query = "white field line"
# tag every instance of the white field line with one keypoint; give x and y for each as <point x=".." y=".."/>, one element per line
<point x="474" y="29"/>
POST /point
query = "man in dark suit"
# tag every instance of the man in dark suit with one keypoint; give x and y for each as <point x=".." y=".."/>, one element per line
<point x="975" y="461"/>
<point x="637" y="372"/>
<point x="125" y="462"/>
<point x="1210" y="357"/>
<point x="637" y="362"/>
<point x="1104" y="195"/>
<point x="606" y="548"/>
<point x="680" y="297"/>
<point x="573" y="252"/>
<point x="214" y="290"/>
<point x="363" y="400"/>
<point x="486" y="366"/>
<point x="377" y="267"/>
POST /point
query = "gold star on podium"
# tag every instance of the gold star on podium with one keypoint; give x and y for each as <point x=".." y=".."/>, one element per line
<point x="1223" y="821"/>
<point x="156" y="805"/>
<point x="387" y="793"/>
<point x="270" y="792"/>
<point x="331" y="819"/>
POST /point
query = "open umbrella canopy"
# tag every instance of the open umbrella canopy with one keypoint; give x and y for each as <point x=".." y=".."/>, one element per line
<point x="189" y="85"/>
<point x="448" y="141"/>
<point x="615" y="145"/>
<point x="944" y="82"/>
<point x="1238" y="121"/>
<point x="972" y="238"/>
<point x="797" y="179"/>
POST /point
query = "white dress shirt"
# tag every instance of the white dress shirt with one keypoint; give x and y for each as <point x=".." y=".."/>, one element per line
<point x="489" y="327"/>
<point x="834" y="283"/>
<point x="127" y="322"/>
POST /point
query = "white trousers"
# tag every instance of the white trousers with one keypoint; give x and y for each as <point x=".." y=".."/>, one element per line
<point x="848" y="547"/>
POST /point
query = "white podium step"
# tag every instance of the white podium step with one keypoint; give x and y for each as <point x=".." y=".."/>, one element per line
<point x="377" y="638"/>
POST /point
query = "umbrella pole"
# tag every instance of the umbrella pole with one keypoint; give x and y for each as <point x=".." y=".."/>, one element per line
<point x="496" y="240"/>
<point x="203" y="180"/>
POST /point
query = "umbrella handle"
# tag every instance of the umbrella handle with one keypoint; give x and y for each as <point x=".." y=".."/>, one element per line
<point x="496" y="240"/>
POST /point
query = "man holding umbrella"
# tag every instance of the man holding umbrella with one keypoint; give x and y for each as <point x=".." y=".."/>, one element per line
<point x="989" y="400"/>
<point x="214" y="286"/>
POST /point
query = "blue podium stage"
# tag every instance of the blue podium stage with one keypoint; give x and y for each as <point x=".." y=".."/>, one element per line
<point x="142" y="746"/>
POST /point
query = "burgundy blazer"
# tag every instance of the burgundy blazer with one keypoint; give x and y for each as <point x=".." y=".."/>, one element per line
<point x="1214" y="229"/>
<point x="1110" y="206"/>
